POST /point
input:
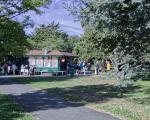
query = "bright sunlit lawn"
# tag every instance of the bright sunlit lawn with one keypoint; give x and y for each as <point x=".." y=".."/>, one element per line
<point x="132" y="103"/>
<point x="11" y="111"/>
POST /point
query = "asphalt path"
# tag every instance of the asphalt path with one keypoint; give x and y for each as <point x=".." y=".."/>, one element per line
<point x="44" y="107"/>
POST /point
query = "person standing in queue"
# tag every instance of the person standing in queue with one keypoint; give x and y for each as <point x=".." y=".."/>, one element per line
<point x="5" y="67"/>
<point x="8" y="69"/>
<point x="97" y="68"/>
<point x="108" y="67"/>
<point x="14" y="68"/>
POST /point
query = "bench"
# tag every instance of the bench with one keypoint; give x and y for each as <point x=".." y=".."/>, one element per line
<point x="44" y="71"/>
<point x="61" y="72"/>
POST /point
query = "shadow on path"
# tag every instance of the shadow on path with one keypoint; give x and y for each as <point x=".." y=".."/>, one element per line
<point x="39" y="100"/>
<point x="57" y="98"/>
<point x="51" y="106"/>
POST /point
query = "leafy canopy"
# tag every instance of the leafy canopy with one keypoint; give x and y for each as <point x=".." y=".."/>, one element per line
<point x="12" y="39"/>
<point x="110" y="24"/>
<point x="51" y="38"/>
<point x="12" y="36"/>
<point x="13" y="8"/>
<point x="125" y="22"/>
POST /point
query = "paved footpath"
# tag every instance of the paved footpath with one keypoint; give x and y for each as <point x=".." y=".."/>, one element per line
<point x="45" y="107"/>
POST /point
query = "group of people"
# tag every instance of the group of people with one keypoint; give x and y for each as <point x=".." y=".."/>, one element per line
<point x="13" y="69"/>
<point x="8" y="69"/>
<point x="100" y="66"/>
<point x="27" y="70"/>
<point x="79" y="67"/>
<point x="103" y="66"/>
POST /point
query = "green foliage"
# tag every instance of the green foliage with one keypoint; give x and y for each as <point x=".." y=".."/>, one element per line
<point x="95" y="44"/>
<point x="51" y="38"/>
<point x="13" y="8"/>
<point x="12" y="36"/>
<point x="12" y="39"/>
<point x="72" y="42"/>
<point x="125" y="66"/>
<point x="85" y="49"/>
<point x="126" y="21"/>
<point x="109" y="23"/>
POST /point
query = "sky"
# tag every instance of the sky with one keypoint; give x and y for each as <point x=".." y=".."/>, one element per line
<point x="57" y="13"/>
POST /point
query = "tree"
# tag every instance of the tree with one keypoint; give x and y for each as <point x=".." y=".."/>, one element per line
<point x="12" y="36"/>
<point x="12" y="8"/>
<point x="125" y="66"/>
<point x="12" y="39"/>
<point x="51" y="38"/>
<point x="123" y="22"/>
<point x="126" y="20"/>
<point x="72" y="41"/>
<point x="95" y="44"/>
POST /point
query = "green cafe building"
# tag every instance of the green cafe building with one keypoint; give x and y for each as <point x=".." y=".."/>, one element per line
<point x="49" y="61"/>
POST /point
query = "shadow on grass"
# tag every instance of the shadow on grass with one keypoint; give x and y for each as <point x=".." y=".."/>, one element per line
<point x="40" y="100"/>
<point x="9" y="110"/>
<point x="39" y="79"/>
<point x="57" y="98"/>
<point x="28" y="80"/>
<point x="145" y="76"/>
<point x="144" y="100"/>
<point x="91" y="93"/>
<point x="147" y="91"/>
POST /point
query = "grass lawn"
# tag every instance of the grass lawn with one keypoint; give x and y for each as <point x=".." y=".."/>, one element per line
<point x="11" y="111"/>
<point x="132" y="103"/>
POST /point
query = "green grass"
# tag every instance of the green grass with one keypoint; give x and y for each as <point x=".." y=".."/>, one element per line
<point x="131" y="103"/>
<point x="11" y="111"/>
<point x="135" y="105"/>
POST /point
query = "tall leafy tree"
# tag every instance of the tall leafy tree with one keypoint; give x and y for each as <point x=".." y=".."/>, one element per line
<point x="95" y="44"/>
<point x="51" y="38"/>
<point x="124" y="23"/>
<point x="12" y="39"/>
<point x="12" y="36"/>
<point x="127" y="20"/>
<point x="72" y="41"/>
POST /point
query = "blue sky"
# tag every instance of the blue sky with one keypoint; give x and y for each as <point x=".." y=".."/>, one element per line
<point x="58" y="14"/>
